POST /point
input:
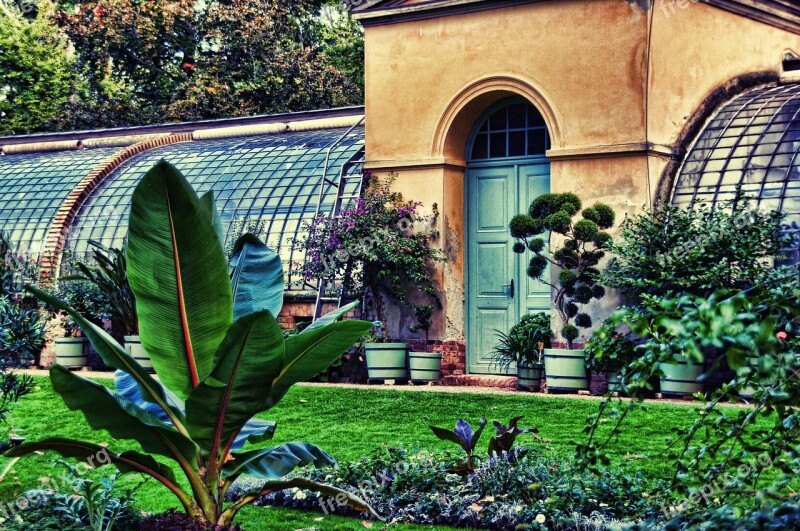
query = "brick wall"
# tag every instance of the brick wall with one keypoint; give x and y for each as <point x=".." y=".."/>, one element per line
<point x="294" y="312"/>
<point x="454" y="354"/>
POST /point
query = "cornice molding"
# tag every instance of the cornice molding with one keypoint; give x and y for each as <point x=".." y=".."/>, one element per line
<point x="783" y="14"/>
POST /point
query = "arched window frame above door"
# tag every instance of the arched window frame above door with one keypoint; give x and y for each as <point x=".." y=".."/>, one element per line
<point x="511" y="129"/>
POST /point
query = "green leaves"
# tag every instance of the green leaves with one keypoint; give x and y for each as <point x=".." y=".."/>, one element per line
<point x="249" y="358"/>
<point x="116" y="356"/>
<point x="273" y="463"/>
<point x="256" y="277"/>
<point x="105" y="410"/>
<point x="177" y="270"/>
<point x="309" y="353"/>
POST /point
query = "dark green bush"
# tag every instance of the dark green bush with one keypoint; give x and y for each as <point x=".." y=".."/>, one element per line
<point x="673" y="250"/>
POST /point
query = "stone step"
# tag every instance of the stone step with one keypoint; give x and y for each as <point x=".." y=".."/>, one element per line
<point x="481" y="380"/>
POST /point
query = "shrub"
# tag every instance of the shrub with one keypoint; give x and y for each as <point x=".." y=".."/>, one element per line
<point x="379" y="246"/>
<point x="673" y="250"/>
<point x="23" y="333"/>
<point x="77" y="502"/>
<point x="609" y="350"/>
<point x="582" y="249"/>
<point x="521" y="344"/>
<point x="756" y="331"/>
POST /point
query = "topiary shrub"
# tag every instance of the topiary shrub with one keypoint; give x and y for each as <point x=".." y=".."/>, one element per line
<point x="583" y="247"/>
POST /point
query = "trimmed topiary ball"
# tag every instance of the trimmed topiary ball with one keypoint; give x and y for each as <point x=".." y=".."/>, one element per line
<point x="583" y="320"/>
<point x="567" y="277"/>
<point x="605" y="215"/>
<point x="598" y="291"/>
<point x="571" y="309"/>
<point x="521" y="226"/>
<point x="536" y="245"/>
<point x="570" y="332"/>
<point x="545" y="205"/>
<point x="602" y="239"/>
<point x="583" y="294"/>
<point x="536" y="266"/>
<point x="519" y="248"/>
<point x="586" y="230"/>
<point x="559" y="222"/>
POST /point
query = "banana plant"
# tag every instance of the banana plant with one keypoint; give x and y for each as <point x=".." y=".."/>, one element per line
<point x="219" y="353"/>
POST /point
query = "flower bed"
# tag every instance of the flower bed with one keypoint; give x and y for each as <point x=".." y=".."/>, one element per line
<point x="536" y="490"/>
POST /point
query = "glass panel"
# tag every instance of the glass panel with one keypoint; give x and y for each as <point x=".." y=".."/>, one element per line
<point x="516" y="144"/>
<point x="497" y="145"/>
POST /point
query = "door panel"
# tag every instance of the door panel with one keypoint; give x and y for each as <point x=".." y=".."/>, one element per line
<point x="491" y="265"/>
<point x="494" y="194"/>
<point x="534" y="181"/>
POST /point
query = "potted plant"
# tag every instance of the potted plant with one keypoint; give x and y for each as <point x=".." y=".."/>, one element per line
<point x="72" y="349"/>
<point x="424" y="366"/>
<point x="523" y="347"/>
<point x="109" y="276"/>
<point x="581" y="248"/>
<point x="377" y="249"/>
<point x="609" y="352"/>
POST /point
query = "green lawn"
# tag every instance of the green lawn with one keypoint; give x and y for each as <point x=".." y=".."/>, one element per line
<point x="349" y="423"/>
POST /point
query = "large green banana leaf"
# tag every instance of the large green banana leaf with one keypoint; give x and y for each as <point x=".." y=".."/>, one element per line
<point x="249" y="358"/>
<point x="254" y="431"/>
<point x="208" y="204"/>
<point x="179" y="275"/>
<point x="114" y="355"/>
<point x="96" y="455"/>
<point x="274" y="463"/>
<point x="310" y="353"/>
<point x="256" y="277"/>
<point x="331" y="317"/>
<point x="105" y="410"/>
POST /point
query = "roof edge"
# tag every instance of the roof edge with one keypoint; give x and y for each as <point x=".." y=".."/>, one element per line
<point x="180" y="127"/>
<point x="783" y="14"/>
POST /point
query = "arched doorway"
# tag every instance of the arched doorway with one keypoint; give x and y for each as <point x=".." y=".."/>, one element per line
<point x="506" y="169"/>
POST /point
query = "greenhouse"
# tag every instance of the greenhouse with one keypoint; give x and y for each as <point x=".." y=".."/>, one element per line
<point x="752" y="144"/>
<point x="267" y="183"/>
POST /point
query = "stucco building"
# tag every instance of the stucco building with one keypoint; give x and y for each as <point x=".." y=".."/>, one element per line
<point x="479" y="106"/>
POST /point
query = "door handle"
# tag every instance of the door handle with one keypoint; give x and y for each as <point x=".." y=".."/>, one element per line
<point x="510" y="288"/>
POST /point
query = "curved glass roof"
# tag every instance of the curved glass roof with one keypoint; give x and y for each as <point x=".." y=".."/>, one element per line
<point x="33" y="186"/>
<point x="267" y="185"/>
<point x="753" y="142"/>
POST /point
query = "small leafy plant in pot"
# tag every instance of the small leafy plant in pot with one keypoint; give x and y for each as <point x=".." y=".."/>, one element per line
<point x="424" y="366"/>
<point x="581" y="248"/>
<point x="109" y="275"/>
<point x="523" y="347"/>
<point x="72" y="349"/>
<point x="610" y="352"/>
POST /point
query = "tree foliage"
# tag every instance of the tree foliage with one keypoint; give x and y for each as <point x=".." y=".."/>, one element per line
<point x="141" y="61"/>
<point x="37" y="74"/>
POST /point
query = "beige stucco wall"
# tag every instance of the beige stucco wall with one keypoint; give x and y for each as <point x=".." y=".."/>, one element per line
<point x="415" y="70"/>
<point x="584" y="65"/>
<point x="697" y="49"/>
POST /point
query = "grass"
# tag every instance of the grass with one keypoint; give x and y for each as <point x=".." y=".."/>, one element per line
<point x="349" y="423"/>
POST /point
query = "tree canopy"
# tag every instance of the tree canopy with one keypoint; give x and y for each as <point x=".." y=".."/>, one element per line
<point x="107" y="63"/>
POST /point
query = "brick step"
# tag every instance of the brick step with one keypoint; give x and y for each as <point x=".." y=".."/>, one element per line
<point x="481" y="380"/>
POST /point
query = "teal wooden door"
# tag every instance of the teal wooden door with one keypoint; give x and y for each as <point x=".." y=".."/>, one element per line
<point x="498" y="291"/>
